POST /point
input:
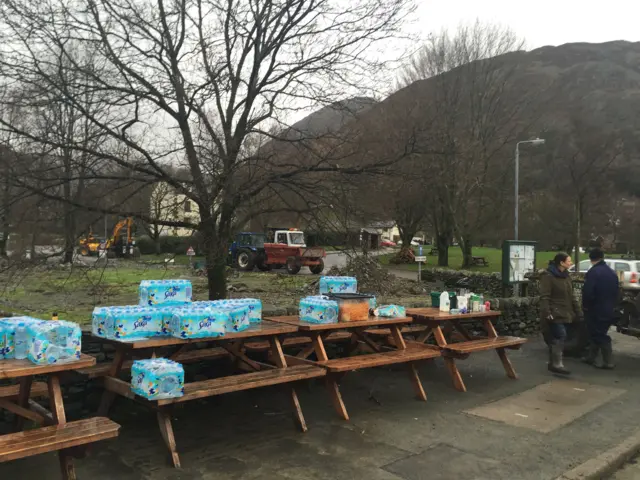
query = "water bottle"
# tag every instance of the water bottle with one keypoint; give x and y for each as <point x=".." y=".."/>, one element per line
<point x="21" y="341"/>
<point x="445" y="302"/>
<point x="168" y="386"/>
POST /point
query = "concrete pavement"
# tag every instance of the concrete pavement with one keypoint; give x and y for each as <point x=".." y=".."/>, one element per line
<point x="391" y="436"/>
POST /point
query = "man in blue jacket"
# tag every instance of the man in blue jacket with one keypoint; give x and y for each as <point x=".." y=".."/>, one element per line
<point x="599" y="299"/>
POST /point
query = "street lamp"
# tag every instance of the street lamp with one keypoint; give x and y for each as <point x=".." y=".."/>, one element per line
<point x="535" y="142"/>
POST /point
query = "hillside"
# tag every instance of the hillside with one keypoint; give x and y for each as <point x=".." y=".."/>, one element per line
<point x="329" y="119"/>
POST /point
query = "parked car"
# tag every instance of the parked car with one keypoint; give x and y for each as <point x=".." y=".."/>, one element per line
<point x="387" y="243"/>
<point x="627" y="270"/>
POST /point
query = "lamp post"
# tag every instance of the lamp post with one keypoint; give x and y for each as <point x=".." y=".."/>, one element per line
<point x="534" y="142"/>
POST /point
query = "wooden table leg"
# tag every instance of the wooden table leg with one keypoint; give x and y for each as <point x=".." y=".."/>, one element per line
<point x="336" y="397"/>
<point x="425" y="335"/>
<point x="449" y="362"/>
<point x="59" y="416"/>
<point x="330" y="379"/>
<point x="281" y="362"/>
<point x="23" y="401"/>
<point x="108" y="397"/>
<point x="398" y="340"/>
<point x="458" y="384"/>
<point x="166" y="429"/>
<point x="415" y="381"/>
<point x="506" y="363"/>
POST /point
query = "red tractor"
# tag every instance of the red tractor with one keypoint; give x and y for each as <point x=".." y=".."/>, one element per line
<point x="280" y="248"/>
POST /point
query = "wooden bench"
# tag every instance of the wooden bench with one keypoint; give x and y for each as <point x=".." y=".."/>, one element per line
<point x="11" y="392"/>
<point x="484" y="344"/>
<point x="413" y="353"/>
<point x="479" y="261"/>
<point x="411" y="329"/>
<point x="433" y="251"/>
<point x="191" y="356"/>
<point x="245" y="381"/>
<point x="297" y="341"/>
<point x="56" y="437"/>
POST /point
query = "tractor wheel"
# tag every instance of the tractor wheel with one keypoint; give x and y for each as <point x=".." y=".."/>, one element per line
<point x="245" y="261"/>
<point x="293" y="265"/>
<point x="317" y="269"/>
<point x="84" y="251"/>
<point x="262" y="264"/>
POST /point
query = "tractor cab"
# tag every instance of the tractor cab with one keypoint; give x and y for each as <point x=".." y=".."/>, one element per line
<point x="291" y="237"/>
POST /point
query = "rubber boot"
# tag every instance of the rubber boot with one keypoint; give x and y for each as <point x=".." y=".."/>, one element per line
<point x="556" y="365"/>
<point x="607" y="357"/>
<point x="592" y="354"/>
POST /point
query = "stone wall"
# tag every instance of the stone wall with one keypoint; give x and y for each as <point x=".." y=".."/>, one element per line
<point x="489" y="284"/>
<point x="520" y="316"/>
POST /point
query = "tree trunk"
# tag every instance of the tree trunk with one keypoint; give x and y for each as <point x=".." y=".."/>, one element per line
<point x="467" y="250"/>
<point x="4" y="217"/>
<point x="406" y="237"/>
<point x="70" y="234"/>
<point x="215" y="247"/>
<point x="443" y="241"/>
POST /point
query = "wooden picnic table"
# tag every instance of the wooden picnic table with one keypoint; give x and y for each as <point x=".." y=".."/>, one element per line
<point x="261" y="375"/>
<point x="57" y="434"/>
<point x="397" y="352"/>
<point x="435" y="320"/>
<point x="480" y="261"/>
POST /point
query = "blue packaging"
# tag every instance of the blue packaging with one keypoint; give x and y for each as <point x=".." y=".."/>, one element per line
<point x="99" y="318"/>
<point x="193" y="322"/>
<point x="157" y="378"/>
<point x="133" y="323"/>
<point x="317" y="310"/>
<point x="17" y="338"/>
<point x="6" y="348"/>
<point x="54" y="341"/>
<point x="237" y="316"/>
<point x="338" y="285"/>
<point x="254" y="304"/>
<point x="391" y="311"/>
<point x="153" y="293"/>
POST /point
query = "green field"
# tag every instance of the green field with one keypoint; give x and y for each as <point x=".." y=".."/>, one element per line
<point x="492" y="255"/>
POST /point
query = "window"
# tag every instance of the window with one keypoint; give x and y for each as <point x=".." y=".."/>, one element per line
<point x="622" y="267"/>
<point x="297" y="238"/>
<point x="187" y="206"/>
<point x="282" y="238"/>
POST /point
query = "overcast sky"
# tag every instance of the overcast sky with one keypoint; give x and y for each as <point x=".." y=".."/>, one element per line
<point x="540" y="22"/>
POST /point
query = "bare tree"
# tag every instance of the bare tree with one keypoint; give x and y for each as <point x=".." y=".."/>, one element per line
<point x="192" y="80"/>
<point x="581" y="165"/>
<point x="473" y="119"/>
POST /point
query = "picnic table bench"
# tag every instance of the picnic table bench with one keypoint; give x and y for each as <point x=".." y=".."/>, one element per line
<point x="434" y="319"/>
<point x="262" y="374"/>
<point x="383" y="353"/>
<point x="433" y="251"/>
<point x="57" y="434"/>
<point x="480" y="261"/>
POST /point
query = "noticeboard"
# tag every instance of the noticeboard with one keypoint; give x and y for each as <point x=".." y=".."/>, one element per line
<point x="518" y="260"/>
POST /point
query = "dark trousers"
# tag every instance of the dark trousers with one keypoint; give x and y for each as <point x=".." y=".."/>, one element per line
<point x="598" y="328"/>
<point x="558" y="332"/>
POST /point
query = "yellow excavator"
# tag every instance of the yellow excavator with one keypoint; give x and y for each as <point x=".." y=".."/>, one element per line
<point x="122" y="242"/>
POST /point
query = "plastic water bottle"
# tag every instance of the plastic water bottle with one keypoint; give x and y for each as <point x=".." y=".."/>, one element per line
<point x="445" y="302"/>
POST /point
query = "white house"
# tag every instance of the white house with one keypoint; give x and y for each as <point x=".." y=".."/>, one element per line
<point x="168" y="205"/>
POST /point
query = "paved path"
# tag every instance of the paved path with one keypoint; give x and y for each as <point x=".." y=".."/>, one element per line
<point x="391" y="436"/>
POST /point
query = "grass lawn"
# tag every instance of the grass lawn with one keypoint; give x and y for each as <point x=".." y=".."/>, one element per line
<point x="492" y="255"/>
<point x="73" y="293"/>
